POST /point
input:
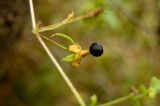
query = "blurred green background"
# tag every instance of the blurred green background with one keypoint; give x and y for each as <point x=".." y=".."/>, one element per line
<point x="129" y="31"/>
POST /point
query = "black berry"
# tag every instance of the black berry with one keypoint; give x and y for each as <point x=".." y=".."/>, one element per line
<point x="96" y="49"/>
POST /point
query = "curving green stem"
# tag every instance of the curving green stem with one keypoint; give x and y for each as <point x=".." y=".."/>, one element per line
<point x="64" y="36"/>
<point x="123" y="99"/>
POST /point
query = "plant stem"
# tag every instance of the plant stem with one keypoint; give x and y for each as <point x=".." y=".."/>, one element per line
<point x="119" y="100"/>
<point x="61" y="71"/>
<point x="54" y="42"/>
<point x="122" y="99"/>
<point x="55" y="26"/>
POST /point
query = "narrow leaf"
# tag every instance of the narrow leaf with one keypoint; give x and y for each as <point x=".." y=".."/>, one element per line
<point x="69" y="58"/>
<point x="64" y="37"/>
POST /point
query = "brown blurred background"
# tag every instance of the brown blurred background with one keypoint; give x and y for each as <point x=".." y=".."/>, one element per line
<point x="129" y="31"/>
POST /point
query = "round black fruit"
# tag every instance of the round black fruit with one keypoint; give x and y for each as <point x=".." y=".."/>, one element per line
<point x="96" y="49"/>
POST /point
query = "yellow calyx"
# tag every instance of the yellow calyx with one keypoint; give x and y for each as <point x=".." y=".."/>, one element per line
<point x="76" y="48"/>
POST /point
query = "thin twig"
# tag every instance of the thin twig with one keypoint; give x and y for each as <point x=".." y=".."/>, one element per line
<point x="32" y="14"/>
<point x="61" y="71"/>
<point x="86" y="16"/>
<point x="55" y="26"/>
<point x="123" y="99"/>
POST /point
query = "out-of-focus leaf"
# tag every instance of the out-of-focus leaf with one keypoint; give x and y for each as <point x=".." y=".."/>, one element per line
<point x="154" y="87"/>
<point x="143" y="89"/>
<point x="93" y="100"/>
<point x="69" y="58"/>
<point x="135" y="102"/>
<point x="112" y="19"/>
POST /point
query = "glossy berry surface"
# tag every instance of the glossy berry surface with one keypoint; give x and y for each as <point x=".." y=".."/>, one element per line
<point x="96" y="49"/>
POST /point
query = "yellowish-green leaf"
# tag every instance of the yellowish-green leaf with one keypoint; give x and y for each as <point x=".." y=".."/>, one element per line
<point x="154" y="87"/>
<point x="69" y="58"/>
<point x="93" y="100"/>
<point x="64" y="36"/>
<point x="144" y="90"/>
